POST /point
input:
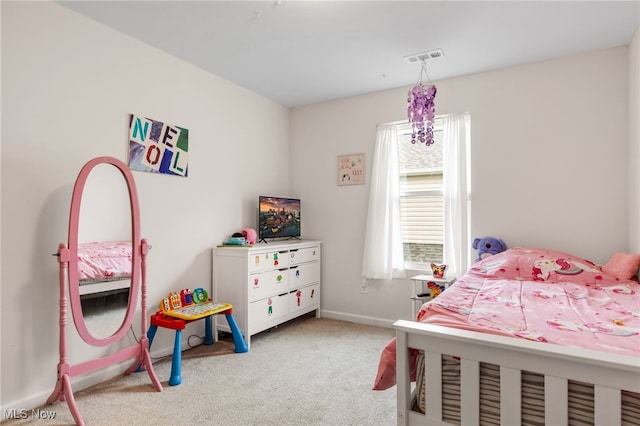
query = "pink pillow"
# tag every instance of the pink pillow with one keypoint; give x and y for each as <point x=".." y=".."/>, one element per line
<point x="622" y="266"/>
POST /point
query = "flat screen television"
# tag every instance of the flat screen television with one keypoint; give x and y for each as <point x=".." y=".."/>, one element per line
<point x="278" y="218"/>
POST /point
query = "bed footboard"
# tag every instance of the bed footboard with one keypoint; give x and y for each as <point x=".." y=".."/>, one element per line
<point x="609" y="374"/>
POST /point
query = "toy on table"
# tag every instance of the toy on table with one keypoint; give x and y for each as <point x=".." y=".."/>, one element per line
<point x="435" y="288"/>
<point x="190" y="305"/>
<point x="488" y="246"/>
<point x="179" y="309"/>
<point x="438" y="271"/>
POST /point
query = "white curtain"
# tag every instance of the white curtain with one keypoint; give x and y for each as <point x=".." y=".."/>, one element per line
<point x="456" y="132"/>
<point x="383" y="256"/>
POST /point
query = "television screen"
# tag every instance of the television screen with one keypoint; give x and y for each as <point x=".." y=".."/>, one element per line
<point x="278" y="218"/>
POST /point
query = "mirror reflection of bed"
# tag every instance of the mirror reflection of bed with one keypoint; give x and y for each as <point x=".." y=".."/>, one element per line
<point x="104" y="251"/>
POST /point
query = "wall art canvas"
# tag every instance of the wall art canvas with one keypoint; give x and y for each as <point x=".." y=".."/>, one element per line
<point x="158" y="147"/>
<point x="351" y="169"/>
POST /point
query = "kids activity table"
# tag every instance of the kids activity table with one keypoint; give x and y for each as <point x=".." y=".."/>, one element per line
<point x="160" y="320"/>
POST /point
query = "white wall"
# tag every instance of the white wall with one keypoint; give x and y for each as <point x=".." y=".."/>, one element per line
<point x="68" y="84"/>
<point x="549" y="164"/>
<point x="634" y="143"/>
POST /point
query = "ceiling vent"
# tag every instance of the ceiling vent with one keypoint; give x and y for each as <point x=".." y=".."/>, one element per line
<point x="425" y="56"/>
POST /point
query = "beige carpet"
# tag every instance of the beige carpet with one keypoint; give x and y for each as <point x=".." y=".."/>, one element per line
<point x="309" y="371"/>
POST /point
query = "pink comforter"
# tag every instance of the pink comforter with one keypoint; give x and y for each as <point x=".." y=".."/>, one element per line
<point x="540" y="295"/>
<point x="104" y="260"/>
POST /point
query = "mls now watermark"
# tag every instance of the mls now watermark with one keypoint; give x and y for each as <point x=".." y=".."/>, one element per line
<point x="34" y="413"/>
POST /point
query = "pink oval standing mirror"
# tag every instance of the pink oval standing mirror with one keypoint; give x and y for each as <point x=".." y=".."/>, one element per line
<point x="94" y="258"/>
<point x="69" y="271"/>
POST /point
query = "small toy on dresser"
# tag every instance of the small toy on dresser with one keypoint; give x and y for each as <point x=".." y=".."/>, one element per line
<point x="488" y="246"/>
<point x="237" y="239"/>
<point x="250" y="235"/>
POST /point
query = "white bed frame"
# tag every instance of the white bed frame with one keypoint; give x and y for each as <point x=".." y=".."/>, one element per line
<point x="100" y="286"/>
<point x="608" y="373"/>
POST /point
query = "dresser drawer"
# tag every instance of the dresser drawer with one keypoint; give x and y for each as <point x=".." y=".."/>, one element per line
<point x="268" y="283"/>
<point x="304" y="297"/>
<point x="265" y="261"/>
<point x="303" y="255"/>
<point x="301" y="275"/>
<point x="269" y="309"/>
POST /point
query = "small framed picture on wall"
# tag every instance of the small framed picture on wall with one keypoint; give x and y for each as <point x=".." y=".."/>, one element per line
<point x="351" y="169"/>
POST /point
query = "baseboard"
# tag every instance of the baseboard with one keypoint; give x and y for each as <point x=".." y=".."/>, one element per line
<point x="359" y="319"/>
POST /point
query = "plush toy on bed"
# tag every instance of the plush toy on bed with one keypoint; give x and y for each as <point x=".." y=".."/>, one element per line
<point x="488" y="246"/>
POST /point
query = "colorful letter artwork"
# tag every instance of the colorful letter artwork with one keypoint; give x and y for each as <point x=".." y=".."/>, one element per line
<point x="158" y="147"/>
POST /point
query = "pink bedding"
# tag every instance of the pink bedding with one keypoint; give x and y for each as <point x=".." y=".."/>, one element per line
<point x="540" y="295"/>
<point x="104" y="260"/>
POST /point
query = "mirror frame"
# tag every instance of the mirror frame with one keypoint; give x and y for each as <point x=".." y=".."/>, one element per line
<point x="136" y="249"/>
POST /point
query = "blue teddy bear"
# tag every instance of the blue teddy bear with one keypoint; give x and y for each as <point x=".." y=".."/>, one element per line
<point x="488" y="246"/>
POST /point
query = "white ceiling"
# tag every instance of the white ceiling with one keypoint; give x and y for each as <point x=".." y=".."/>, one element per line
<point x="303" y="52"/>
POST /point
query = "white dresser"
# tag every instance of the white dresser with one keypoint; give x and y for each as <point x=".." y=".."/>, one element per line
<point x="267" y="284"/>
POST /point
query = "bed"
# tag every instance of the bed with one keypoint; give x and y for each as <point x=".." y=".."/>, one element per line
<point x="104" y="266"/>
<point x="528" y="336"/>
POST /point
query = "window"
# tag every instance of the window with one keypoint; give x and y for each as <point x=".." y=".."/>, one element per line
<point x="435" y="196"/>
<point x="421" y="198"/>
